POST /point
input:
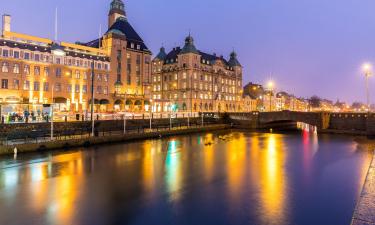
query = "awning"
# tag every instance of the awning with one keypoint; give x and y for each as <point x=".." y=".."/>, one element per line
<point x="12" y="99"/>
<point x="104" y="102"/>
<point x="96" y="101"/>
<point x="129" y="102"/>
<point x="147" y="102"/>
<point x="138" y="102"/>
<point x="60" y="100"/>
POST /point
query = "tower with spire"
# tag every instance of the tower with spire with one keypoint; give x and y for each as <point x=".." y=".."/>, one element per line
<point x="117" y="10"/>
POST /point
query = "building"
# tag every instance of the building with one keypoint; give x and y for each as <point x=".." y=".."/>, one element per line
<point x="188" y="80"/>
<point x="130" y="62"/>
<point x="38" y="71"/>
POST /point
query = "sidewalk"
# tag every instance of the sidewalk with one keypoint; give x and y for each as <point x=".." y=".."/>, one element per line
<point x="364" y="213"/>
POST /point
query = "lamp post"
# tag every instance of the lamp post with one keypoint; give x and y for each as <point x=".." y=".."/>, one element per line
<point x="53" y="101"/>
<point x="367" y="72"/>
<point x="150" y="108"/>
<point x="92" y="98"/>
<point x="125" y="114"/>
<point x="270" y="87"/>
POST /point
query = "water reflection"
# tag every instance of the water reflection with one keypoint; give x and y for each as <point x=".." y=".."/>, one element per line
<point x="173" y="169"/>
<point x="213" y="178"/>
<point x="274" y="180"/>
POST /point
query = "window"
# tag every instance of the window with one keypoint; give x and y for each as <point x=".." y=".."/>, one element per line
<point x="138" y="47"/>
<point x="77" y="88"/>
<point x="36" y="86"/>
<point x="58" y="87"/>
<point x="36" y="70"/>
<point x="106" y="77"/>
<point x="16" y="68"/>
<point x="4" y="83"/>
<point x="16" y="84"/>
<point x="131" y="45"/>
<point x="5" y="67"/>
<point x="99" y="77"/>
<point x="5" y="53"/>
<point x="37" y="57"/>
<point x="26" y="56"/>
<point x="99" y="90"/>
<point x="69" y="88"/>
<point x="78" y="75"/>
<point x="84" y="89"/>
<point x="105" y="90"/>
<point x="26" y="69"/>
<point x="45" y="86"/>
<point x="26" y="85"/>
<point x="16" y="55"/>
<point x="85" y="75"/>
<point x="46" y="71"/>
<point x="58" y="72"/>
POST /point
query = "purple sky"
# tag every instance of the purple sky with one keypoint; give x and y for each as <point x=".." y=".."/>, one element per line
<point x="306" y="46"/>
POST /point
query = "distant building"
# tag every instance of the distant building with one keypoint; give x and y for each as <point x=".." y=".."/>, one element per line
<point x="186" y="79"/>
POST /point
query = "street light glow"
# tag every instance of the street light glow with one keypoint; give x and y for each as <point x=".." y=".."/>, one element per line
<point x="270" y="84"/>
<point x="367" y="67"/>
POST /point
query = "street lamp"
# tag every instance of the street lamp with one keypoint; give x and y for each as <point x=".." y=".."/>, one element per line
<point x="150" y="108"/>
<point x="367" y="70"/>
<point x="270" y="86"/>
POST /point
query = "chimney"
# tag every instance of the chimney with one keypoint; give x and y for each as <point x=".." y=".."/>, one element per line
<point x="6" y="23"/>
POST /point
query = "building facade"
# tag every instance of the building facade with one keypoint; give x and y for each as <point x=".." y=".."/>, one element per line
<point x="36" y="72"/>
<point x="188" y="80"/>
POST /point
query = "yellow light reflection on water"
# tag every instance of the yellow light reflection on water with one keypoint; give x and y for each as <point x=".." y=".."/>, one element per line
<point x="173" y="170"/>
<point x="273" y="179"/>
<point x="208" y="156"/>
<point x="236" y="164"/>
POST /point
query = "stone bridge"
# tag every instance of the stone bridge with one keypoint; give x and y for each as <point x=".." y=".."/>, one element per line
<point x="356" y="123"/>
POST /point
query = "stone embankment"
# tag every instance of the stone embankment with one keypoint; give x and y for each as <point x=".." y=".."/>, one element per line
<point x="364" y="213"/>
<point x="90" y="141"/>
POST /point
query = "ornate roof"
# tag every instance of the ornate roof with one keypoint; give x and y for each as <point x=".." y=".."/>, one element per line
<point x="189" y="46"/>
<point x="162" y="55"/>
<point x="233" y="60"/>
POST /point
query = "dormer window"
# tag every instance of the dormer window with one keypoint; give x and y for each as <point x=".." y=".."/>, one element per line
<point x="131" y="45"/>
<point x="138" y="47"/>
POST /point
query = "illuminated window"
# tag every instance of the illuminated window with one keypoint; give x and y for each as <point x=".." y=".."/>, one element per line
<point x="16" y="68"/>
<point x="16" y="84"/>
<point x="36" y="70"/>
<point x="45" y="86"/>
<point x="84" y="89"/>
<point x="78" y="75"/>
<point x="36" y="86"/>
<point x="26" y="85"/>
<point x="5" y="67"/>
<point x="46" y="71"/>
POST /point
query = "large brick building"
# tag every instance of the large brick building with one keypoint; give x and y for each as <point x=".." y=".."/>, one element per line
<point x="188" y="80"/>
<point x="37" y="71"/>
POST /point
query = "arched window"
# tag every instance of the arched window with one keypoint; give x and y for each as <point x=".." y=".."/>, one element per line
<point x="5" y="67"/>
<point x="16" y="68"/>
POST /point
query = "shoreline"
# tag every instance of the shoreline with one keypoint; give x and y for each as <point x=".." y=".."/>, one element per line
<point x="94" y="141"/>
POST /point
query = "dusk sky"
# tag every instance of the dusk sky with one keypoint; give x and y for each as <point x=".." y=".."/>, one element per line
<point x="306" y="46"/>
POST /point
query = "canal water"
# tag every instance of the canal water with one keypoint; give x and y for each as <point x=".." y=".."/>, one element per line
<point x="229" y="177"/>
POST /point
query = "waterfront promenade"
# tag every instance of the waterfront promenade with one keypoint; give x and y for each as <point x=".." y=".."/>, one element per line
<point x="364" y="213"/>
